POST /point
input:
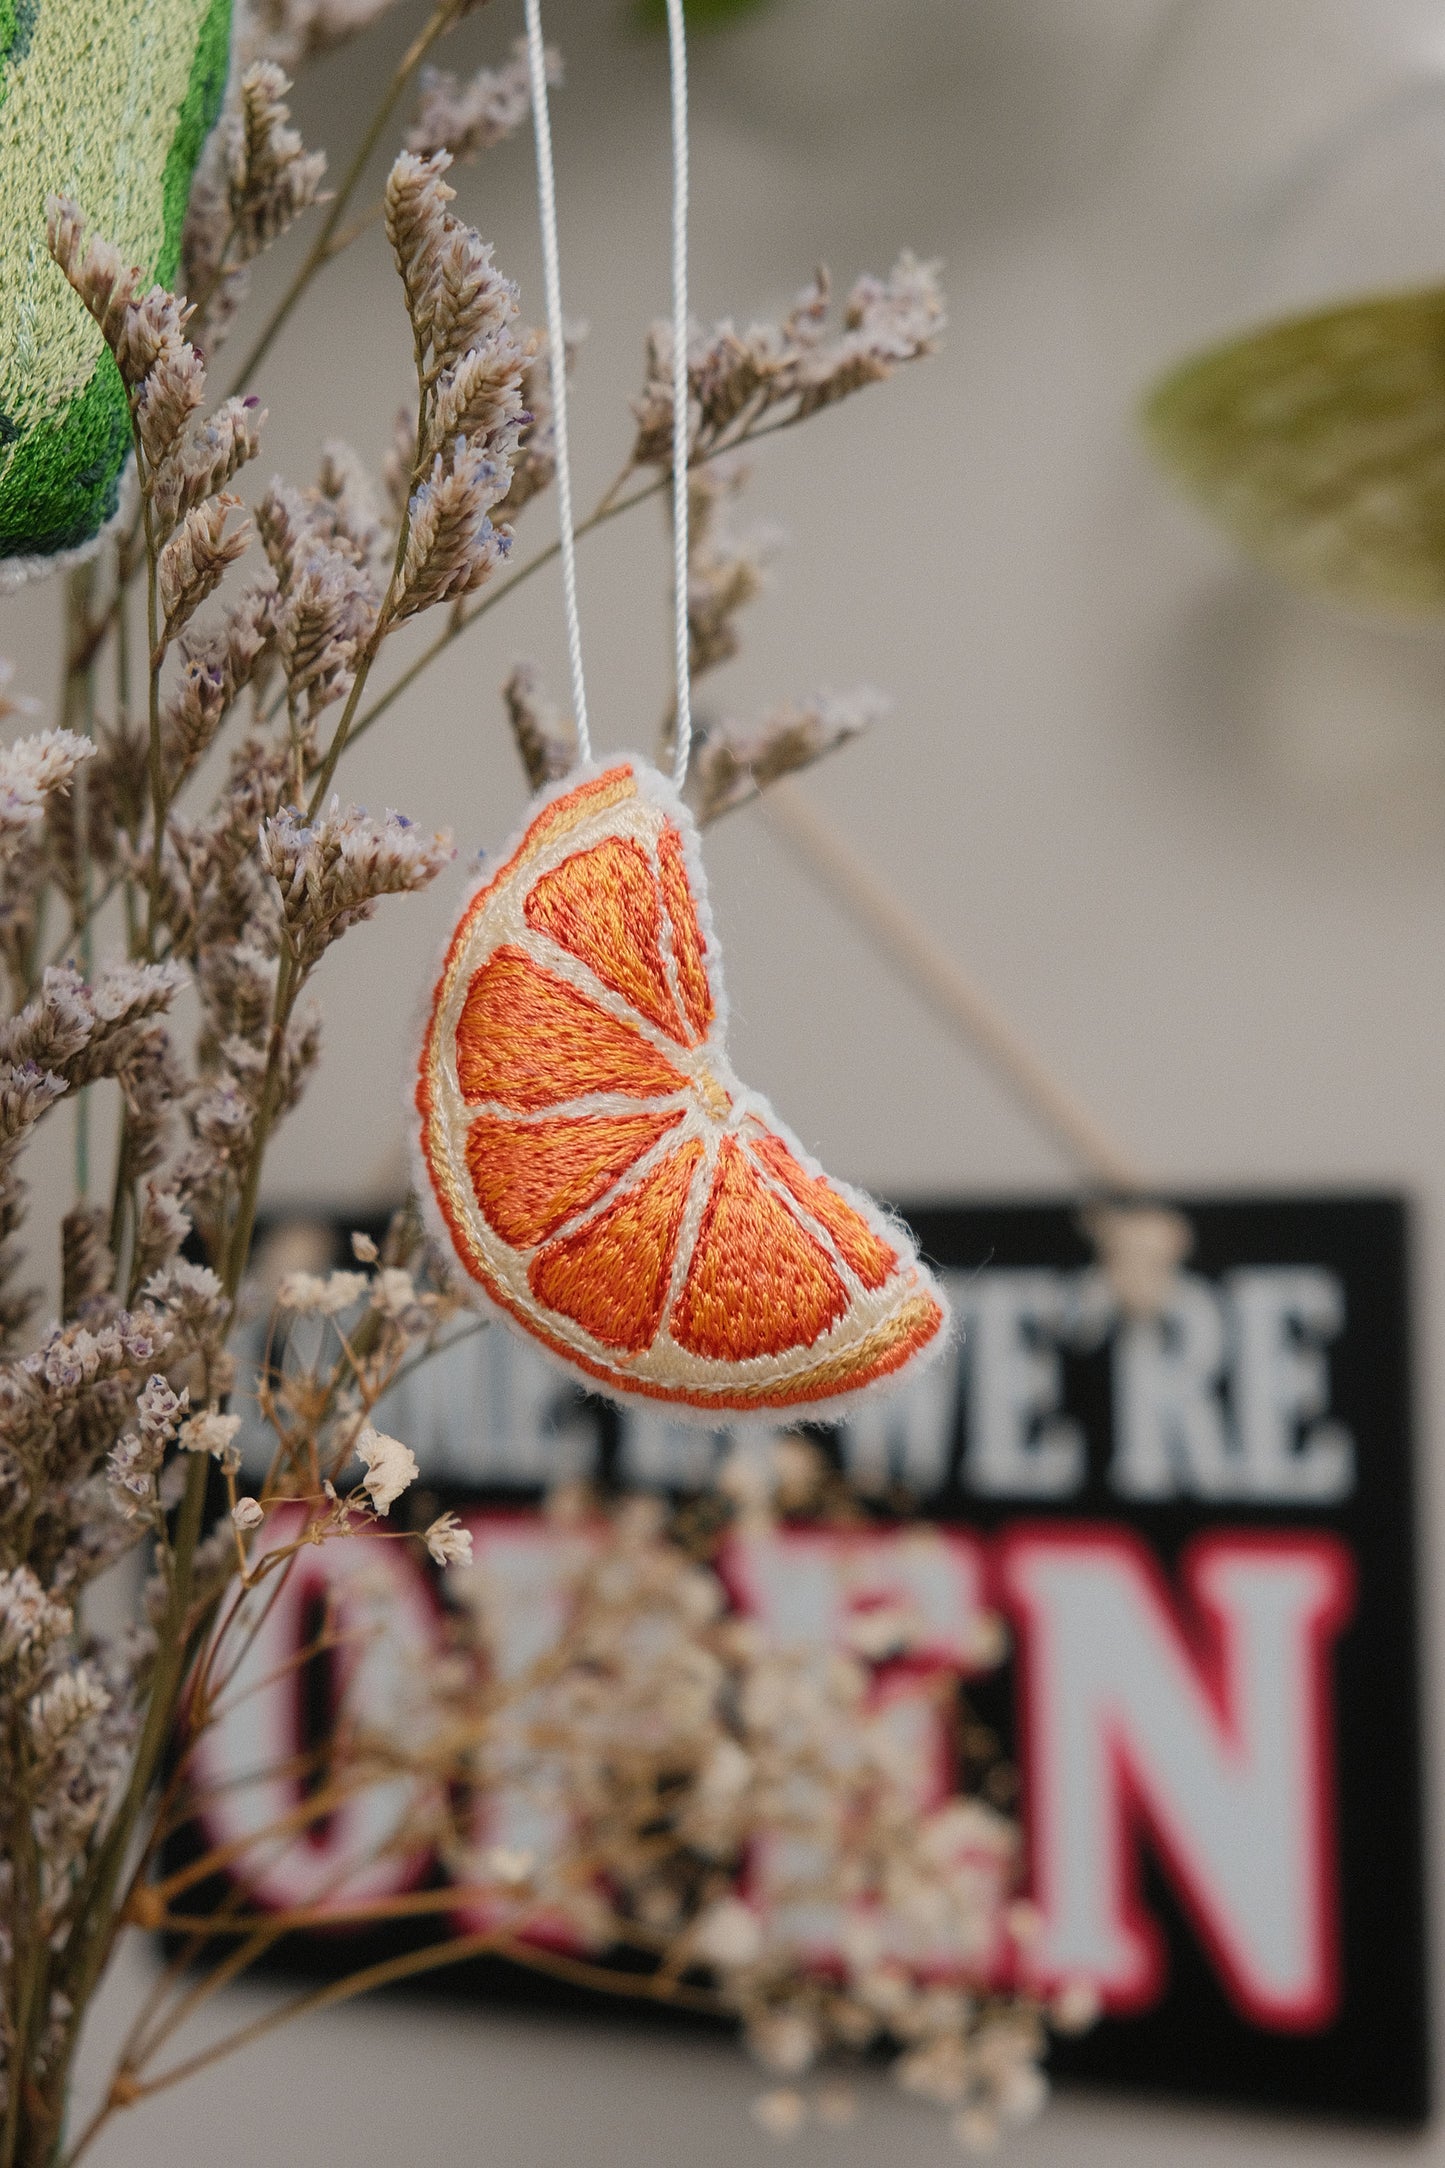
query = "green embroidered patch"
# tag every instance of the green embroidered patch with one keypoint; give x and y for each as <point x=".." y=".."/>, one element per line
<point x="108" y="101"/>
<point x="17" y="26"/>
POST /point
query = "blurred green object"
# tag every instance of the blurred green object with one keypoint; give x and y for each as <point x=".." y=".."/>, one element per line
<point x="701" y="14"/>
<point x="1318" y="443"/>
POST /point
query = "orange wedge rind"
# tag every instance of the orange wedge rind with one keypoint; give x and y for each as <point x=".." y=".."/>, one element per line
<point x="603" y="1175"/>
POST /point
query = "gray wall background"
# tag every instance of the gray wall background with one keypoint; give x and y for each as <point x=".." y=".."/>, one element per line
<point x="1186" y="826"/>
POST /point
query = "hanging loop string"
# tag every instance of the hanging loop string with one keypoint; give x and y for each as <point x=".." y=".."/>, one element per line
<point x="547" y="204"/>
<point x="677" y="55"/>
<point x="557" y="346"/>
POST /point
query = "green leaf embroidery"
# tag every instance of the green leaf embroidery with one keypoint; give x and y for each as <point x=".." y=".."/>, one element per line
<point x="139" y="84"/>
<point x="1319" y="444"/>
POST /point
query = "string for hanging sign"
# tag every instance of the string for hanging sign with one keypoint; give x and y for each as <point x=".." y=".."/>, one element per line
<point x="600" y="1170"/>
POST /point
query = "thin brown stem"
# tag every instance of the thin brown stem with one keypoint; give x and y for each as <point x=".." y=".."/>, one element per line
<point x="609" y="507"/>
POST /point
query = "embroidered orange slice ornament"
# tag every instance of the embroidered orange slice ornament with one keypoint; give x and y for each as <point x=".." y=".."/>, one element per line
<point x="603" y="1175"/>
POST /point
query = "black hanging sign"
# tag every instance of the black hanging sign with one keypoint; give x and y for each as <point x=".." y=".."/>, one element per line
<point x="1201" y="1532"/>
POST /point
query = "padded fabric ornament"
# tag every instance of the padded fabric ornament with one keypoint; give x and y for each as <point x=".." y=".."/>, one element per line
<point x="108" y="101"/>
<point x="603" y="1175"/>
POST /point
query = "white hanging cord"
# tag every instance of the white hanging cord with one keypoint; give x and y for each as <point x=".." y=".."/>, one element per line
<point x="677" y="55"/>
<point x="557" y="344"/>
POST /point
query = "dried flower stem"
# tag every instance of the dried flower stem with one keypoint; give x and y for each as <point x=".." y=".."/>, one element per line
<point x="611" y="505"/>
<point x="326" y="243"/>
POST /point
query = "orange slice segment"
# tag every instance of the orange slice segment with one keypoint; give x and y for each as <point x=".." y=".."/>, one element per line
<point x="602" y="905"/>
<point x="757" y="1282"/>
<point x="867" y="1252"/>
<point x="612" y="1276"/>
<point x="528" y="1177"/>
<point x="528" y="1040"/>
<point x="688" y="946"/>
<point x="586" y="1145"/>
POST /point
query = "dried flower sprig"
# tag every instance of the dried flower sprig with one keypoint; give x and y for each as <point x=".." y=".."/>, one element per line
<point x="741" y="384"/>
<point x="119" y="1420"/>
<point x="464" y="118"/>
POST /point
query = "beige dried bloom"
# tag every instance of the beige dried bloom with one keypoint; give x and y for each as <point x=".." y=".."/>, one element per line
<point x="209" y="1433"/>
<point x="343" y="502"/>
<point x="197" y="558"/>
<point x="30" y="1620"/>
<point x="725" y="569"/>
<point x="363" y="1249"/>
<point x="465" y="118"/>
<point x="328" y="1297"/>
<point x="471" y="368"/>
<point x="292" y="31"/>
<point x="728" y="1934"/>
<point x="207" y="457"/>
<point x="391" y="1467"/>
<point x="248" y="1513"/>
<point x="730" y="765"/>
<point x="393" y="1292"/>
<point x="788" y="371"/>
<point x="170" y="391"/>
<point x="271" y="176"/>
<point x="448" y="1542"/>
<point x="781" y="2112"/>
<point x="535" y="462"/>
<point x="32" y="770"/>
<point x="68" y="1702"/>
<point x="545" y="738"/>
<point x="452" y="546"/>
<point x="93" y="267"/>
<point x="333" y="871"/>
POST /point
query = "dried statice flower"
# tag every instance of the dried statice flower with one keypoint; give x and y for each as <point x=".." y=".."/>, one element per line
<point x="325" y="612"/>
<point x="725" y="570"/>
<point x="731" y="765"/>
<point x="272" y="177"/>
<point x="183" y="460"/>
<point x="534" y="464"/>
<point x="135" y="1460"/>
<point x="60" y="1708"/>
<point x="293" y="31"/>
<point x="391" y="1467"/>
<point x="87" y="1265"/>
<point x="210" y="454"/>
<point x="343" y="502"/>
<point x="32" y="770"/>
<point x="29" y="1619"/>
<point x="333" y="871"/>
<point x="465" y="118"/>
<point x="776" y="373"/>
<point x="94" y="268"/>
<point x="452" y="546"/>
<point x="398" y="468"/>
<point x="471" y="368"/>
<point x="462" y="312"/>
<point x="197" y="558"/>
<point x="545" y="738"/>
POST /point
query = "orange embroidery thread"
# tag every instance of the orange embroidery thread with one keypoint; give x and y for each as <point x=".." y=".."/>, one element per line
<point x="602" y="1173"/>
